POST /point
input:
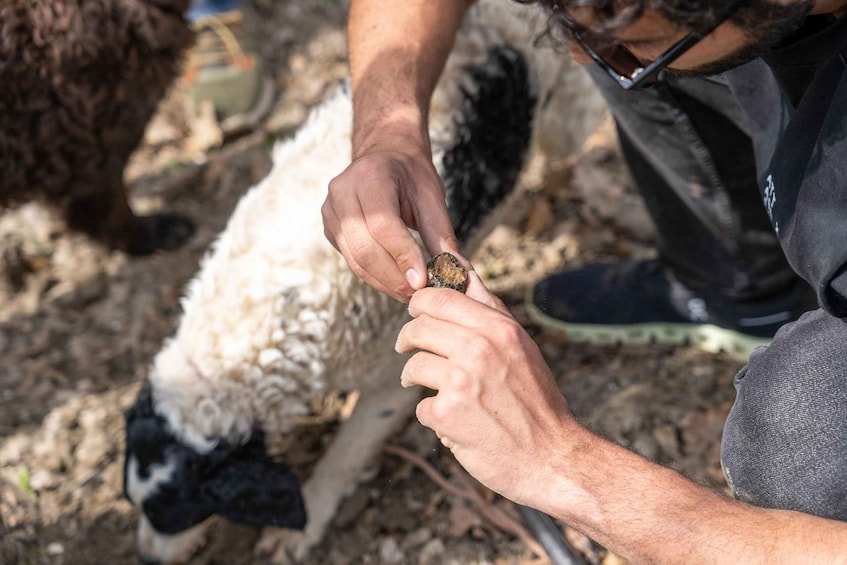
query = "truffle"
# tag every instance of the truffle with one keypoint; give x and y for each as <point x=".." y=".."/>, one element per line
<point x="445" y="271"/>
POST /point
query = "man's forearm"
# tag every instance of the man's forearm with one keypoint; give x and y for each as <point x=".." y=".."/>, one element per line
<point x="648" y="513"/>
<point x="397" y="52"/>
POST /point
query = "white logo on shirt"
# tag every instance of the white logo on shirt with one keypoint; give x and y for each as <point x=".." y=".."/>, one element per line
<point x="697" y="310"/>
<point x="769" y="199"/>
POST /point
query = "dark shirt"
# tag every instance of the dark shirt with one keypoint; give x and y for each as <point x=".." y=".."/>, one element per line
<point x="796" y="61"/>
<point x="804" y="186"/>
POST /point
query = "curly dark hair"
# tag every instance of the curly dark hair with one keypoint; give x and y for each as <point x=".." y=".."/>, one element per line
<point x="613" y="15"/>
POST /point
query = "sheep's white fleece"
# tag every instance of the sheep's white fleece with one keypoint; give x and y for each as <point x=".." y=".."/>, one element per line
<point x="275" y="315"/>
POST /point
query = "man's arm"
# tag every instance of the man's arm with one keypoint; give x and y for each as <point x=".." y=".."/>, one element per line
<point x="397" y="52"/>
<point x="648" y="513"/>
<point x="501" y="413"/>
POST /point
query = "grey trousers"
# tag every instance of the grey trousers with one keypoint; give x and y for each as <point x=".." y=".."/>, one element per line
<point x="693" y="146"/>
<point x="785" y="441"/>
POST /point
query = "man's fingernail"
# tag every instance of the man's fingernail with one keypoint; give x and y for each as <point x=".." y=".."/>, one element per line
<point x="414" y="278"/>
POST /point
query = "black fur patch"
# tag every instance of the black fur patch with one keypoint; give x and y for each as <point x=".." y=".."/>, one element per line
<point x="495" y="129"/>
<point x="241" y="483"/>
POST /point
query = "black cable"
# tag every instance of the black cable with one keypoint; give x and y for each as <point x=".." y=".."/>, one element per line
<point x="549" y="536"/>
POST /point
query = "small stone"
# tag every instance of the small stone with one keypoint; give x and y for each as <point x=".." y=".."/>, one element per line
<point x="91" y="450"/>
<point x="445" y="271"/>
<point x="432" y="553"/>
<point x="417" y="538"/>
<point x="390" y="552"/>
<point x="55" y="548"/>
<point x="44" y="480"/>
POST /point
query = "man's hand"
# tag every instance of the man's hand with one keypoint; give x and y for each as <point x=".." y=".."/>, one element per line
<point x="497" y="407"/>
<point x="397" y="51"/>
<point x="369" y="209"/>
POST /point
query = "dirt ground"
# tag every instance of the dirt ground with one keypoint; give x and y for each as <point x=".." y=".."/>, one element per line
<point x="79" y="326"/>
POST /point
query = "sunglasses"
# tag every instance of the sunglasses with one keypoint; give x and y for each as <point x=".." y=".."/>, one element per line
<point x="625" y="68"/>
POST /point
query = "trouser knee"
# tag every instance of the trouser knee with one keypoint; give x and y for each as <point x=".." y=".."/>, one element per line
<point x="785" y="441"/>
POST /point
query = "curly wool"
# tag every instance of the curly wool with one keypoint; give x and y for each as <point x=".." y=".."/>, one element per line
<point x="80" y="80"/>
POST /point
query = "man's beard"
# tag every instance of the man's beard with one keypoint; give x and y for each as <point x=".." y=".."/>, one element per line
<point x="766" y="26"/>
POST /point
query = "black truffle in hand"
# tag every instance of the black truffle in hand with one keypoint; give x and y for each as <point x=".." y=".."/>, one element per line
<point x="445" y="271"/>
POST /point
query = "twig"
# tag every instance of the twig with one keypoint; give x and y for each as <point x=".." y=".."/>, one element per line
<point x="493" y="514"/>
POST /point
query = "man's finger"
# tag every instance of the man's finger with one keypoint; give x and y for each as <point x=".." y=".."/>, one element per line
<point x="370" y="261"/>
<point x="387" y="228"/>
<point x="423" y="369"/>
<point x="340" y="243"/>
<point x="344" y="218"/>
<point x="454" y="307"/>
<point x="331" y="224"/>
<point x="436" y="230"/>
<point x="364" y="275"/>
<point x="445" y="339"/>
<point x="423" y="412"/>
<point x="478" y="291"/>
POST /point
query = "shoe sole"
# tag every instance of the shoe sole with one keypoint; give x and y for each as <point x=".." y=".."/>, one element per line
<point x="706" y="337"/>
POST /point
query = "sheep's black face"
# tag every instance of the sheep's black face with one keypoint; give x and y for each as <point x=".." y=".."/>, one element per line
<point x="161" y="475"/>
<point x="177" y="488"/>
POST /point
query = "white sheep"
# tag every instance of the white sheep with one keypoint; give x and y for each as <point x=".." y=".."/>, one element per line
<point x="275" y="316"/>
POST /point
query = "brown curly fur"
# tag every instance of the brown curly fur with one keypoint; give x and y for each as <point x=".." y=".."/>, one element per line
<point x="79" y="80"/>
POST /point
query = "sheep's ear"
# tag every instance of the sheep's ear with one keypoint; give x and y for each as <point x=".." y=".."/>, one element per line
<point x="250" y="488"/>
